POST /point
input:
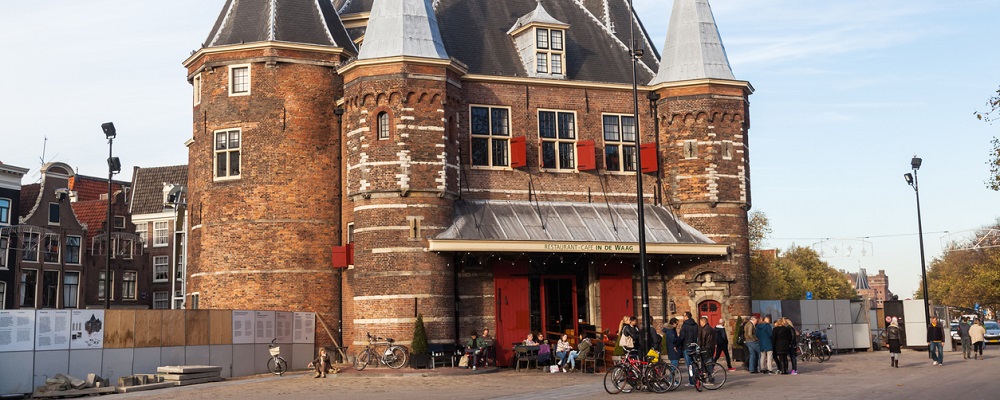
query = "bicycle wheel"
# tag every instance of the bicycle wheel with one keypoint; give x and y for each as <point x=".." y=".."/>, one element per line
<point x="656" y="378"/>
<point x="614" y="379"/>
<point x="715" y="376"/>
<point x="395" y="357"/>
<point x="674" y="376"/>
<point x="633" y="379"/>
<point x="361" y="360"/>
<point x="825" y="352"/>
<point x="277" y="365"/>
<point x="818" y="353"/>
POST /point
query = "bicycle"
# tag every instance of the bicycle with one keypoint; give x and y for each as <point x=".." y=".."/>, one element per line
<point x="394" y="356"/>
<point x="631" y="373"/>
<point x="710" y="375"/>
<point x="276" y="364"/>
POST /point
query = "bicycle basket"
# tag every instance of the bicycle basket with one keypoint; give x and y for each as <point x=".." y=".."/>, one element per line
<point x="275" y="351"/>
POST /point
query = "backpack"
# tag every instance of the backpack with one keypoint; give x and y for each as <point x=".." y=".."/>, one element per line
<point x="741" y="338"/>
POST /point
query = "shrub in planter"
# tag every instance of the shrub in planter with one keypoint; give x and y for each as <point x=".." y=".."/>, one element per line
<point x="419" y="357"/>
<point x="738" y="351"/>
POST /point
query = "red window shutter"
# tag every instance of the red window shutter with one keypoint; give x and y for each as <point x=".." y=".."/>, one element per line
<point x="585" y="155"/>
<point x="650" y="163"/>
<point x="340" y="256"/>
<point x="518" y="152"/>
<point x="350" y="254"/>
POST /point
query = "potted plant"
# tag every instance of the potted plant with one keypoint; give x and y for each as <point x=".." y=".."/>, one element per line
<point x="419" y="356"/>
<point x="738" y="351"/>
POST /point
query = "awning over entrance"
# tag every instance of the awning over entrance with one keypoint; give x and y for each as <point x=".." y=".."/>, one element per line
<point x="563" y="227"/>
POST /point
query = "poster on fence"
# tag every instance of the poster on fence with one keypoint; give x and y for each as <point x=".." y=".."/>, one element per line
<point x="264" y="326"/>
<point x="305" y="328"/>
<point x="283" y="326"/>
<point x="52" y="330"/>
<point x="87" y="329"/>
<point x="242" y="327"/>
<point x="17" y="330"/>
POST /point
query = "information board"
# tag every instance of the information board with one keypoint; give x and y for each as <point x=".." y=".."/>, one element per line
<point x="242" y="327"/>
<point x="264" y="326"/>
<point x="17" y="330"/>
<point x="87" y="329"/>
<point x="305" y="328"/>
<point x="52" y="330"/>
<point x="283" y="323"/>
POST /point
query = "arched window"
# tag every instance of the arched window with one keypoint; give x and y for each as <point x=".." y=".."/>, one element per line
<point x="383" y="125"/>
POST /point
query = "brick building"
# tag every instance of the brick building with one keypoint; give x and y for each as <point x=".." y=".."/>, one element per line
<point x="158" y="209"/>
<point x="475" y="159"/>
<point x="873" y="288"/>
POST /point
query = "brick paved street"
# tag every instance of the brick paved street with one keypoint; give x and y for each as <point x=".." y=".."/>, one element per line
<point x="847" y="376"/>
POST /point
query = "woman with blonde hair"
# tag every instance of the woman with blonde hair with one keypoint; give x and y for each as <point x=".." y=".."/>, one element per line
<point x="783" y="340"/>
<point x="793" y="351"/>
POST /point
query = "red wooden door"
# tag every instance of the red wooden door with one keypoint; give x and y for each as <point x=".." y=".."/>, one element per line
<point x="512" y="307"/>
<point x="711" y="309"/>
<point x="616" y="295"/>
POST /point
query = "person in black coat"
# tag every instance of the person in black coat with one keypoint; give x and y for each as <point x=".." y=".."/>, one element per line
<point x="671" y="341"/>
<point x="722" y="345"/>
<point x="782" y="338"/>
<point x="689" y="334"/>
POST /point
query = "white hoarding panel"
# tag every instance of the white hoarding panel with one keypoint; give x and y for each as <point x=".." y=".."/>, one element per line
<point x="845" y="336"/>
<point x="304" y="330"/>
<point x="263" y="326"/>
<point x="17" y="330"/>
<point x="52" y="330"/>
<point x="87" y="329"/>
<point x="916" y="334"/>
<point x="842" y="311"/>
<point x="810" y="314"/>
<point x="242" y="327"/>
<point x="913" y="310"/>
<point x="862" y="336"/>
<point x="827" y="313"/>
<point x="283" y="326"/>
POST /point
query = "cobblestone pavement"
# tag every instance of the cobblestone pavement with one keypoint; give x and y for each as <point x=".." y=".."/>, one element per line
<point x="845" y="376"/>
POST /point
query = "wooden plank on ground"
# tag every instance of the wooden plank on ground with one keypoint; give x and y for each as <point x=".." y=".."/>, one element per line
<point x="197" y="327"/>
<point x="187" y="369"/>
<point x="148" y="326"/>
<point x="149" y="386"/>
<point x="120" y="329"/>
<point x="173" y="327"/>
<point x="74" y="392"/>
<point x="187" y="377"/>
<point x="197" y="381"/>
<point x="220" y="326"/>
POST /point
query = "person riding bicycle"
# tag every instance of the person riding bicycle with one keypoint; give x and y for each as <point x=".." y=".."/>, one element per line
<point x="473" y="348"/>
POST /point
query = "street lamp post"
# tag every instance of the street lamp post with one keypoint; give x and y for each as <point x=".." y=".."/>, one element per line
<point x="635" y="54"/>
<point x="114" y="167"/>
<point x="911" y="179"/>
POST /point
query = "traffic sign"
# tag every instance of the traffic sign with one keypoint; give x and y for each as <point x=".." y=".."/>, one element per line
<point x="809" y="295"/>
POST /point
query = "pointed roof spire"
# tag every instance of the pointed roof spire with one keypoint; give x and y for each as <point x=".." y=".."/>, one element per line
<point x="693" y="49"/>
<point x="862" y="281"/>
<point x="538" y="16"/>
<point x="402" y="28"/>
<point x="296" y="21"/>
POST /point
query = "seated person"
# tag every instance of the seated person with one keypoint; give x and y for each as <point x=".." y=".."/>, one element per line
<point x="583" y="348"/>
<point x="322" y="364"/>
<point x="563" y="349"/>
<point x="490" y="343"/>
<point x="473" y="348"/>
<point x="530" y="340"/>
<point x="541" y="339"/>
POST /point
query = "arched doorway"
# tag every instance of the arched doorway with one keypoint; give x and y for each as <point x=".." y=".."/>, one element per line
<point x="711" y="309"/>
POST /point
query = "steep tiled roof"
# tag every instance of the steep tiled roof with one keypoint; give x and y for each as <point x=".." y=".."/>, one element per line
<point x="90" y="188"/>
<point x="92" y="214"/>
<point x="147" y="192"/>
<point x="29" y="195"/>
<point x="295" y="21"/>
<point x="402" y="28"/>
<point x="693" y="48"/>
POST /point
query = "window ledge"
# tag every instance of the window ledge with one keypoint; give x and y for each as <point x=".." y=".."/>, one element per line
<point x="490" y="168"/>
<point x="621" y="173"/>
<point x="559" y="171"/>
<point x="227" y="178"/>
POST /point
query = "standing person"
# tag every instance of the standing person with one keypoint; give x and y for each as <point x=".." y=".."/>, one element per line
<point x="764" y="336"/>
<point x="963" y="334"/>
<point x="783" y="340"/>
<point x="752" y="343"/>
<point x="977" y="335"/>
<point x="935" y="341"/>
<point x="894" y="336"/>
<point x="630" y="330"/>
<point x="689" y="334"/>
<point x="670" y="341"/>
<point x="706" y="337"/>
<point x="722" y="345"/>
<point x="563" y="349"/>
<point x="793" y="346"/>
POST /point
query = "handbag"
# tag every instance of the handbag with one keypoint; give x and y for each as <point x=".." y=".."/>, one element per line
<point x="626" y="341"/>
<point x="553" y="368"/>
<point x="464" y="361"/>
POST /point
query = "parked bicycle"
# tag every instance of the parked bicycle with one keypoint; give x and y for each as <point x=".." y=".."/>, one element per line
<point x="393" y="356"/>
<point x="276" y="364"/>
<point x="815" y="344"/>
<point x="632" y="373"/>
<point x="707" y="373"/>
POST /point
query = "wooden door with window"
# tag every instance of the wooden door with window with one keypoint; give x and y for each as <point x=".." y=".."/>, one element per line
<point x="512" y="307"/>
<point x="711" y="309"/>
<point x="616" y="295"/>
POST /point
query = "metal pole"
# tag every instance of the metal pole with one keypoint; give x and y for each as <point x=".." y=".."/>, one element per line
<point x="107" y="239"/>
<point x="923" y="265"/>
<point x="640" y="205"/>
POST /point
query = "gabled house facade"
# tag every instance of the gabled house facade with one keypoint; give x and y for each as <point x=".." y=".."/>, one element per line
<point x="10" y="199"/>
<point x="158" y="210"/>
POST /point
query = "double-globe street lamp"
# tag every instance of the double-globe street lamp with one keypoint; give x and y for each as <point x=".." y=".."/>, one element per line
<point x="911" y="179"/>
<point x="114" y="167"/>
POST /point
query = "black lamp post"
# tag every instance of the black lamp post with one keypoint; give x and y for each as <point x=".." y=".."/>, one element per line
<point x="636" y="54"/>
<point x="114" y="167"/>
<point x="911" y="179"/>
<point x="654" y="114"/>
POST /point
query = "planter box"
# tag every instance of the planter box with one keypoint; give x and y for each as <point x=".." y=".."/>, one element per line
<point x="420" y="360"/>
<point x="739" y="354"/>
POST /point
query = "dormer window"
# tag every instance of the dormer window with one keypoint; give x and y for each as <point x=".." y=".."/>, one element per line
<point x="540" y="40"/>
<point x="549" y="51"/>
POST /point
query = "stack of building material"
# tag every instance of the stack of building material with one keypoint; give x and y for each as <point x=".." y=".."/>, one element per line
<point x="183" y="375"/>
<point x="67" y="386"/>
<point x="138" y="383"/>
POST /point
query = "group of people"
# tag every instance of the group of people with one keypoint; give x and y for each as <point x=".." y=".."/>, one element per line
<point x="971" y="332"/>
<point x="769" y="346"/>
<point x="565" y="352"/>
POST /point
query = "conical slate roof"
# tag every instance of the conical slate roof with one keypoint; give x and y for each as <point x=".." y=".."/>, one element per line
<point x="402" y="28"/>
<point x="295" y="21"/>
<point x="538" y="15"/>
<point x="693" y="49"/>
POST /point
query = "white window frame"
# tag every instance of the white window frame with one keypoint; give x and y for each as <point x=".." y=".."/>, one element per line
<point x="142" y="229"/>
<point x="58" y="287"/>
<point x="727" y="150"/>
<point x="79" y="249"/>
<point x="58" y="253"/>
<point x="547" y="54"/>
<point x="57" y="214"/>
<point x="558" y="141"/>
<point x="161" y="261"/>
<point x="3" y="295"/>
<point x="5" y="219"/>
<point x="232" y="80"/>
<point x="100" y="282"/>
<point x="66" y="293"/>
<point x="161" y="240"/>
<point x="134" y="282"/>
<point x="196" y="89"/>
<point x="383" y="126"/>
<point x="620" y="144"/>
<point x="350" y="232"/>
<point x="490" y="138"/>
<point x="164" y="300"/>
<point x="20" y="282"/>
<point x="121" y="219"/>
<point x="4" y="253"/>
<point x="227" y="151"/>
<point x="38" y="246"/>
<point x="122" y="246"/>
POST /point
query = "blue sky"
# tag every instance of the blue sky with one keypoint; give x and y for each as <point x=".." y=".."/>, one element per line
<point x="846" y="93"/>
